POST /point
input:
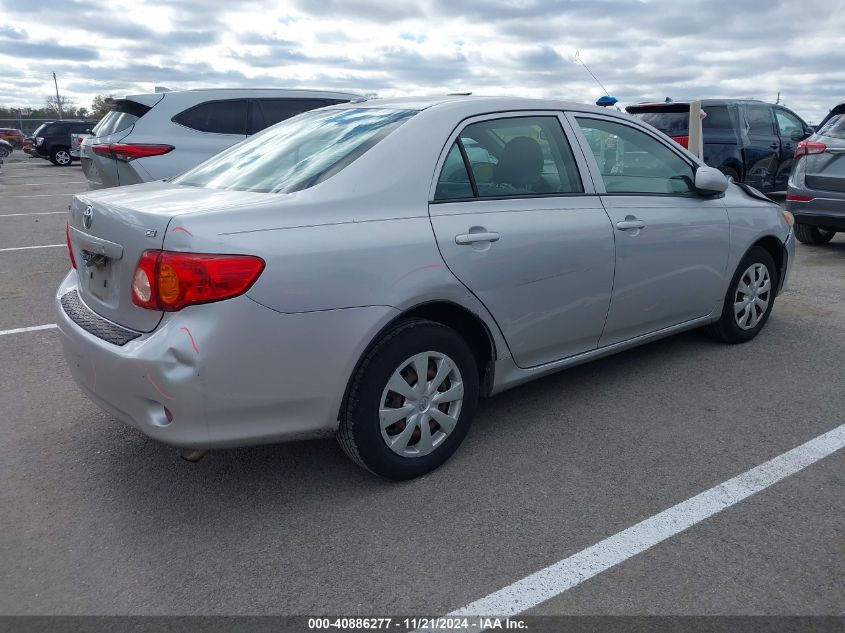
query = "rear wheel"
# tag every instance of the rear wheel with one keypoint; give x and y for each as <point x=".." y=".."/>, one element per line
<point x="750" y="298"/>
<point x="4" y="151"/>
<point x="812" y="234"/>
<point x="411" y="401"/>
<point x="61" y="156"/>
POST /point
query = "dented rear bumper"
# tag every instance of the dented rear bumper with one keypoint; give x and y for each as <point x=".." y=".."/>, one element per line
<point x="232" y="373"/>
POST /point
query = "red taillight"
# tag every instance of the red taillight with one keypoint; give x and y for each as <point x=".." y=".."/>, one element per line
<point x="796" y="198"/>
<point x="683" y="141"/>
<point x="130" y="151"/>
<point x="805" y="148"/>
<point x="170" y="281"/>
<point x="69" y="247"/>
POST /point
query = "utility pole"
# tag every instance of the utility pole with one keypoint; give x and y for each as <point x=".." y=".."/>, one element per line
<point x="58" y="99"/>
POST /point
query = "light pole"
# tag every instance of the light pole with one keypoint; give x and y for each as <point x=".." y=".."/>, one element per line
<point x="58" y="99"/>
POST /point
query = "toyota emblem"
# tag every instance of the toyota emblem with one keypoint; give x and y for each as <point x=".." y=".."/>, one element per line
<point x="88" y="217"/>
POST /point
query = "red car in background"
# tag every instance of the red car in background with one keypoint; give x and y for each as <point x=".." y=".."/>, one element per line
<point x="13" y="136"/>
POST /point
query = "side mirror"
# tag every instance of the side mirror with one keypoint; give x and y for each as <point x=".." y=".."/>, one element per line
<point x="710" y="181"/>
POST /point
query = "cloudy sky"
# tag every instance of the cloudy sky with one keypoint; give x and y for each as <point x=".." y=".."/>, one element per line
<point x="639" y="49"/>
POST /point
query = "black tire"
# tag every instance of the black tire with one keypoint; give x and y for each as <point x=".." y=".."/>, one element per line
<point x="61" y="157"/>
<point x="360" y="433"/>
<point x="730" y="172"/>
<point x="4" y="152"/>
<point x="813" y="235"/>
<point x="726" y="328"/>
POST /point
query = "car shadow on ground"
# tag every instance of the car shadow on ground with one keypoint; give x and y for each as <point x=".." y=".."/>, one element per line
<point x="314" y="476"/>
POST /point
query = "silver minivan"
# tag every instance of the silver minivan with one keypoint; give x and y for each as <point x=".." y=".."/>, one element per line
<point x="155" y="136"/>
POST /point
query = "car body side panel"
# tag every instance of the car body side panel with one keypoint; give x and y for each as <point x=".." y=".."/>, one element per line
<point x="195" y="365"/>
<point x="671" y="271"/>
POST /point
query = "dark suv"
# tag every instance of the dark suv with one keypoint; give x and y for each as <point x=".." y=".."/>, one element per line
<point x="751" y="141"/>
<point x="52" y="140"/>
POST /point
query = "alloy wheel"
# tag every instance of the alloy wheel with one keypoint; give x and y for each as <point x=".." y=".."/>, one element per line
<point x="752" y="297"/>
<point x="62" y="157"/>
<point x="421" y="404"/>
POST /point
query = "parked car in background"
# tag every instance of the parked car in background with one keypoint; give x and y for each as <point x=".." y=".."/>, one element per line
<point x="156" y="136"/>
<point x="6" y="148"/>
<point x="13" y="136"/>
<point x="52" y="140"/>
<point x="750" y="141"/>
<point x="76" y="143"/>
<point x="354" y="270"/>
<point x="816" y="195"/>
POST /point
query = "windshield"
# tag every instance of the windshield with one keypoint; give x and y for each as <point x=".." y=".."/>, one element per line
<point x="40" y="129"/>
<point x="670" y="123"/>
<point x="297" y="153"/>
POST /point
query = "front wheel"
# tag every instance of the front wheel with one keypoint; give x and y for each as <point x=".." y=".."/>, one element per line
<point x="750" y="298"/>
<point x="812" y="234"/>
<point x="411" y="401"/>
<point x="61" y="157"/>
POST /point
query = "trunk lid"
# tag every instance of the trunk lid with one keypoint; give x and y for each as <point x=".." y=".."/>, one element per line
<point x="123" y="223"/>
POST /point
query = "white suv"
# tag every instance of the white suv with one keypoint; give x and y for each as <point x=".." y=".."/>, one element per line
<point x="160" y="135"/>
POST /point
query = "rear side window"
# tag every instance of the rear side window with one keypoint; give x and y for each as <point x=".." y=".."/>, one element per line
<point x="835" y="127"/>
<point x="759" y="120"/>
<point x="631" y="161"/>
<point x="717" y="118"/>
<point x="510" y="157"/>
<point x="218" y="117"/>
<point x="266" y="112"/>
<point x="124" y="114"/>
<point x="454" y="180"/>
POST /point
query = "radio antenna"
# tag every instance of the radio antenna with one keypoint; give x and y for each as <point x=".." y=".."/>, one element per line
<point x="581" y="61"/>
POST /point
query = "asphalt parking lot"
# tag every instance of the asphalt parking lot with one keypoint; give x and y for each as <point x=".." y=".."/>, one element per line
<point x="97" y="519"/>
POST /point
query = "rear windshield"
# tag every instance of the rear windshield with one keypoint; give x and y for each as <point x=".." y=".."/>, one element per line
<point x="298" y="153"/>
<point x="835" y="127"/>
<point x="124" y="114"/>
<point x="670" y="123"/>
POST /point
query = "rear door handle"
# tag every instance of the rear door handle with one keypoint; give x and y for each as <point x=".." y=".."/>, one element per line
<point x="627" y="225"/>
<point x="472" y="238"/>
<point x="775" y="145"/>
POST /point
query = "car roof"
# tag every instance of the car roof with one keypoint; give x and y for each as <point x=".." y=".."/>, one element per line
<point x="229" y="93"/>
<point x="469" y="105"/>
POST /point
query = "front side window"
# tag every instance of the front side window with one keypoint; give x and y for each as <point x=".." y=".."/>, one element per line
<point x="788" y="125"/>
<point x="631" y="161"/>
<point x="519" y="156"/>
<point x="219" y="117"/>
<point x="298" y="153"/>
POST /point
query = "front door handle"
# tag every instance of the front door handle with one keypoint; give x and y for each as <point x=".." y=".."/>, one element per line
<point x="629" y="224"/>
<point x="472" y="238"/>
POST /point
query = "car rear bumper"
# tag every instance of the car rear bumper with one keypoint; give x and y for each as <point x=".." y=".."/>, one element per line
<point x="825" y="209"/>
<point x="232" y="373"/>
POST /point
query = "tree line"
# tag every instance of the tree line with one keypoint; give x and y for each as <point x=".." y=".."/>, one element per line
<point x="70" y="109"/>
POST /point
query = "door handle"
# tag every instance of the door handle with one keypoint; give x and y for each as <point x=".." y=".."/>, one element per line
<point x="629" y="224"/>
<point x="775" y="145"/>
<point x="472" y="238"/>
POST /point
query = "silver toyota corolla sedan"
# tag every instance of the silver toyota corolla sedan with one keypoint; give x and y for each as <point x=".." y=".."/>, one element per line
<point x="372" y="269"/>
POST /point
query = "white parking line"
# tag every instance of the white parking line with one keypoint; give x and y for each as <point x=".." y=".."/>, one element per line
<point x="34" y="328"/>
<point x="16" y="215"/>
<point x="570" y="572"/>
<point x="27" y="248"/>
